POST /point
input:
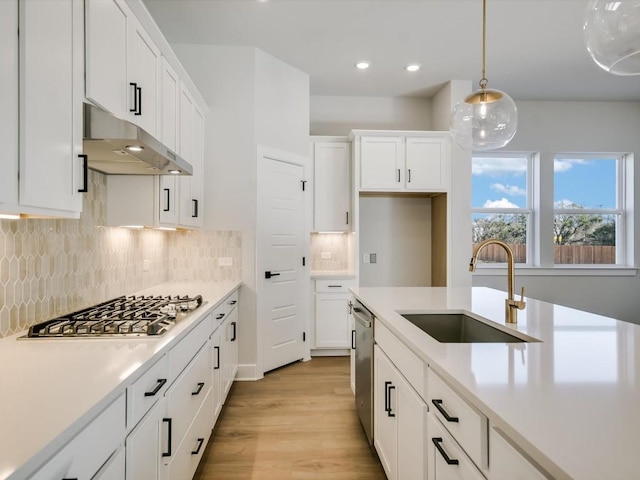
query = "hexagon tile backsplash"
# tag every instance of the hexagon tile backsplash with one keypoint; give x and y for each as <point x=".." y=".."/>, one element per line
<point x="52" y="267"/>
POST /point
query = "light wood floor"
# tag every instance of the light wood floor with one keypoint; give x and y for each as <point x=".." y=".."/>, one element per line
<point x="299" y="422"/>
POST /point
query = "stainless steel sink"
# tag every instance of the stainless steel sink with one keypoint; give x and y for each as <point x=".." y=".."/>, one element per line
<point x="459" y="328"/>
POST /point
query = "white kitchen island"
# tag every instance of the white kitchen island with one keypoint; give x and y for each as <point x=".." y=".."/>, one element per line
<point x="570" y="401"/>
<point x="53" y="389"/>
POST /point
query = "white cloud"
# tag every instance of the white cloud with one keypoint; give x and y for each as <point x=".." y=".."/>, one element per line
<point x="564" y="203"/>
<point x="498" y="166"/>
<point x="564" y="164"/>
<point x="511" y="190"/>
<point x="502" y="203"/>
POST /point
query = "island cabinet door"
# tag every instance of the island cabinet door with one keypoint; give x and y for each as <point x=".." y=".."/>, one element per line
<point x="506" y="462"/>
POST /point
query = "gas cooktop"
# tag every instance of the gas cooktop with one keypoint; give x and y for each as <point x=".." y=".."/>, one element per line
<point x="126" y="316"/>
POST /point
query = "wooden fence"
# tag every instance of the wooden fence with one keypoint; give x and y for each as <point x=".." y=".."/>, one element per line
<point x="563" y="254"/>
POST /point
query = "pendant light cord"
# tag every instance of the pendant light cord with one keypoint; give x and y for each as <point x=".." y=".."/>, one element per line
<point x="483" y="80"/>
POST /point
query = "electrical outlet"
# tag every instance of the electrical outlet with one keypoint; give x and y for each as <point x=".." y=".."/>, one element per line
<point x="225" y="262"/>
<point x="373" y="258"/>
<point x="146" y="264"/>
<point x="365" y="258"/>
<point x="325" y="255"/>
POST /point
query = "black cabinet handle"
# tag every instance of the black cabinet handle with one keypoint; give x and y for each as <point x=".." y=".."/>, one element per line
<point x="353" y="339"/>
<point x="220" y="315"/>
<point x="233" y="302"/>
<point x="217" y="367"/>
<point x="168" y="191"/>
<point x="197" y="450"/>
<point x="195" y="208"/>
<point x="233" y="324"/>
<point x="450" y="461"/>
<point x="139" y="92"/>
<point x="152" y="393"/>
<point x="199" y="389"/>
<point x="347" y="218"/>
<point x="390" y="411"/>
<point x="409" y="172"/>
<point x="135" y="97"/>
<point x="85" y="173"/>
<point x="386" y="397"/>
<point x="334" y="286"/>
<point x="398" y="175"/>
<point x="269" y="275"/>
<point x="169" y="422"/>
<point x="447" y="417"/>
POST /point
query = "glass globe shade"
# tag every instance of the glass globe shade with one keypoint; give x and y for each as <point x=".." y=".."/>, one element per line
<point x="485" y="120"/>
<point x="612" y="35"/>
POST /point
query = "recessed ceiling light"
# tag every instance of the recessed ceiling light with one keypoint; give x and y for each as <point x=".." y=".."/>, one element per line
<point x="412" y="67"/>
<point x="363" y="65"/>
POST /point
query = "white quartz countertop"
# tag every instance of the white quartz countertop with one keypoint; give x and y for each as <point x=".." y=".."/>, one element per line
<point x="51" y="388"/>
<point x="571" y="401"/>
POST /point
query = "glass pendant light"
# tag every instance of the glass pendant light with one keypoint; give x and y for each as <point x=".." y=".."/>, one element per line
<point x="612" y="35"/>
<point x="487" y="119"/>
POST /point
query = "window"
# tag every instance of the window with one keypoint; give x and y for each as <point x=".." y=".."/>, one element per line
<point x="583" y="224"/>
<point x="587" y="220"/>
<point x="501" y="204"/>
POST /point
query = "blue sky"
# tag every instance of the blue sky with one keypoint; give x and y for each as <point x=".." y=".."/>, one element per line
<point x="501" y="182"/>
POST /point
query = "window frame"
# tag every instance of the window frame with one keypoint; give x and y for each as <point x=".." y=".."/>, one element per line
<point x="528" y="210"/>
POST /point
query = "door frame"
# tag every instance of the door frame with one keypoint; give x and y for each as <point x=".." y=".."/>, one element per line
<point x="262" y="308"/>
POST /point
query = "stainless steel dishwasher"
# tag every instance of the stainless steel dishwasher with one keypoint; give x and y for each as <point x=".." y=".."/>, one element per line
<point x="364" y="367"/>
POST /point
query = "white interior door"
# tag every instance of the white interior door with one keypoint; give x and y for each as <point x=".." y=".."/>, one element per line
<point x="281" y="226"/>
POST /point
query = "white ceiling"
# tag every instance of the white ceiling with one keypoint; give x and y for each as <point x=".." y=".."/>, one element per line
<point x="534" y="47"/>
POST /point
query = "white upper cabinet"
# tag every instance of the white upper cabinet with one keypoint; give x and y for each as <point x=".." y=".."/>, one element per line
<point x="382" y="163"/>
<point x="332" y="186"/>
<point x="9" y="102"/>
<point x="123" y="64"/>
<point x="169" y="105"/>
<point x="50" y="128"/>
<point x="417" y="162"/>
<point x="191" y="188"/>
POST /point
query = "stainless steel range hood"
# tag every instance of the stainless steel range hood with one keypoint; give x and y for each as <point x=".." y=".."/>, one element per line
<point x="115" y="146"/>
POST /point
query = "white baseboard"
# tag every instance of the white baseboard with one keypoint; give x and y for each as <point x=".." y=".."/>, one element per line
<point x="248" y="373"/>
<point x="330" y="352"/>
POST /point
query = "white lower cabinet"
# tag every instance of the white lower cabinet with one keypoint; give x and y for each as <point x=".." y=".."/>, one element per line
<point x="83" y="456"/>
<point x="447" y="460"/>
<point x="352" y="351"/>
<point x="147" y="443"/>
<point x="331" y="329"/>
<point x="216" y="369"/>
<point x="229" y="351"/>
<point x="399" y="422"/>
<point x="507" y="463"/>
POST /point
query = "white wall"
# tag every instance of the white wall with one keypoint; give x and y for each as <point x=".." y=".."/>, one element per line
<point x="339" y="115"/>
<point x="550" y="127"/>
<point x="398" y="230"/>
<point x="254" y="99"/>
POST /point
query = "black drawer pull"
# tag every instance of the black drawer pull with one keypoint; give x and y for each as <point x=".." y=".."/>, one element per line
<point x="197" y="450"/>
<point x="334" y="286"/>
<point x="353" y="339"/>
<point x="450" y="461"/>
<point x="447" y="417"/>
<point x="220" y="315"/>
<point x="234" y="337"/>
<point x="217" y="367"/>
<point x="199" y="389"/>
<point x="169" y="422"/>
<point x="152" y="393"/>
<point x="233" y="302"/>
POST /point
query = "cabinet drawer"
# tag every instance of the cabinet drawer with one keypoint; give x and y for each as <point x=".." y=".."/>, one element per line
<point x="187" y="394"/>
<point x="83" y="456"/>
<point x="145" y="392"/>
<point x="185" y="460"/>
<point x="445" y="458"/>
<point x="411" y="366"/>
<point x="465" y="423"/>
<point x="335" y="286"/>
<point x="182" y="353"/>
<point x="222" y="310"/>
<point x="507" y="463"/>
